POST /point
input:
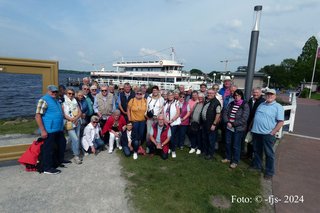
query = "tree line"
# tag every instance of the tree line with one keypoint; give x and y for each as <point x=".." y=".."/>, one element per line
<point x="290" y="72"/>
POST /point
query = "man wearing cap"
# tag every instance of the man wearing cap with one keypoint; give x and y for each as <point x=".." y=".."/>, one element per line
<point x="225" y="90"/>
<point x="268" y="120"/>
<point x="49" y="117"/>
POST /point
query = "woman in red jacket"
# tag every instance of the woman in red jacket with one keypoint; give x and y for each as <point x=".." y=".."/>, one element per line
<point x="114" y="126"/>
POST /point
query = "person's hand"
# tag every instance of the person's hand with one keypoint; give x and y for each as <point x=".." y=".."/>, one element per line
<point x="213" y="127"/>
<point x="130" y="147"/>
<point x="229" y="125"/>
<point x="44" y="134"/>
<point x="116" y="134"/>
<point x="83" y="115"/>
<point x="159" y="146"/>
<point x="273" y="133"/>
<point x="99" y="114"/>
<point x="93" y="150"/>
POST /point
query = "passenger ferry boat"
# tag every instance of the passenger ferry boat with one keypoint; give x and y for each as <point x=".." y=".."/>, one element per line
<point x="167" y="74"/>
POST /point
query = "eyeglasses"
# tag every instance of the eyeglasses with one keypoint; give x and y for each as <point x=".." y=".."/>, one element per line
<point x="121" y="89"/>
<point x="70" y="93"/>
<point x="139" y="93"/>
<point x="95" y="122"/>
<point x="93" y="90"/>
<point x="182" y="97"/>
<point x="54" y="91"/>
<point x="85" y="88"/>
<point x="104" y="90"/>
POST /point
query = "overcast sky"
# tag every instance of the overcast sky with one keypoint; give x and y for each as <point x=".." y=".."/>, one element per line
<point x="80" y="33"/>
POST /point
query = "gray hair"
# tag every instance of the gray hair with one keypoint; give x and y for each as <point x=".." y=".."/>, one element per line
<point x="256" y="88"/>
<point x="94" y="118"/>
<point x="70" y="89"/>
<point x="200" y="94"/>
<point x="116" y="112"/>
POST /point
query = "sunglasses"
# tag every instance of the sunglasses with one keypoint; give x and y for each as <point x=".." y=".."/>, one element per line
<point x="139" y="93"/>
<point x="182" y="97"/>
<point x="121" y="89"/>
<point x="70" y="93"/>
<point x="95" y="122"/>
<point x="93" y="90"/>
<point x="104" y="90"/>
<point x="54" y="91"/>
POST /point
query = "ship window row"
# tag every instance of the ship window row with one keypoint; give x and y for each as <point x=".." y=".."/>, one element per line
<point x="154" y="69"/>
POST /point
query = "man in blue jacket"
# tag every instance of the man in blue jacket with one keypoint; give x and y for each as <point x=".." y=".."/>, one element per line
<point x="49" y="117"/>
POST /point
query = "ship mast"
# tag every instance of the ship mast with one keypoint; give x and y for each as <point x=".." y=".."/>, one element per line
<point x="172" y="53"/>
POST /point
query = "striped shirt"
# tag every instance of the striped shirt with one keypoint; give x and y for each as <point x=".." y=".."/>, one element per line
<point x="233" y="113"/>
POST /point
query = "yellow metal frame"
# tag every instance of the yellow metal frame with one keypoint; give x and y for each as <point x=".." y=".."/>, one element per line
<point x="48" y="69"/>
<point x="49" y="72"/>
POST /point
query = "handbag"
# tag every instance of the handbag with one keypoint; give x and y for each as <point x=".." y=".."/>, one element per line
<point x="68" y="125"/>
<point x="248" y="138"/>
<point x="194" y="126"/>
<point x="150" y="113"/>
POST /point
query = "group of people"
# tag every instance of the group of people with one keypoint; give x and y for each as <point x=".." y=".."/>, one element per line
<point x="99" y="117"/>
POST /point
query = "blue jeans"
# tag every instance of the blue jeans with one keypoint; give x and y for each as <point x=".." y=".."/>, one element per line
<point x="126" y="149"/>
<point x="174" y="139"/>
<point x="98" y="143"/>
<point x="209" y="139"/>
<point x="74" y="135"/>
<point x="52" y="150"/>
<point x="233" y="145"/>
<point x="263" y="143"/>
<point x="139" y="127"/>
<point x="181" y="134"/>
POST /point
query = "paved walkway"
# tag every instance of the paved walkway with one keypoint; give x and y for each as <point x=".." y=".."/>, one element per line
<point x="298" y="155"/>
<point x="94" y="186"/>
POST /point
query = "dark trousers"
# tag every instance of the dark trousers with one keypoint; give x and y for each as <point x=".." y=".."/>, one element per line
<point x="233" y="145"/>
<point x="139" y="128"/>
<point x="153" y="150"/>
<point x="181" y="135"/>
<point x="126" y="150"/>
<point x="52" y="150"/>
<point x="209" y="139"/>
<point x="196" y="140"/>
<point x="174" y="138"/>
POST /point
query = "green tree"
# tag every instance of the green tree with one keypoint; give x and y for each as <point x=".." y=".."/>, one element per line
<point x="305" y="62"/>
<point x="196" y="72"/>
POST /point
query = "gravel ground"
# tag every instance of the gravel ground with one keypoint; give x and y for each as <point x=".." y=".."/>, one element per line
<point x="94" y="186"/>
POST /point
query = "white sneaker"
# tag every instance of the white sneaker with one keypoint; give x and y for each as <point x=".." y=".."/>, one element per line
<point x="192" y="150"/>
<point x="120" y="147"/>
<point x="110" y="151"/>
<point x="135" y="156"/>
<point x="169" y="151"/>
<point x="174" y="155"/>
<point x="198" y="152"/>
<point x="147" y="150"/>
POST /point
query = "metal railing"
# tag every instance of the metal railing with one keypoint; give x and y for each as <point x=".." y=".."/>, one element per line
<point x="292" y="116"/>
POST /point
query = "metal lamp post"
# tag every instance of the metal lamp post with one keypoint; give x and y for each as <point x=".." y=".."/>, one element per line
<point x="253" y="52"/>
<point x="268" y="81"/>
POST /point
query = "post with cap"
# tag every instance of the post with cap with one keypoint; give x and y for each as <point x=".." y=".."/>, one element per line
<point x="253" y="52"/>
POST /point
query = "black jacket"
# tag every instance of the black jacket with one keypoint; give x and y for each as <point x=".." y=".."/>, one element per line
<point x="124" y="138"/>
<point x="210" y="115"/>
<point x="253" y="108"/>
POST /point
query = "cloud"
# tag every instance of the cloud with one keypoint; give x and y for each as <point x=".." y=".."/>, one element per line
<point x="235" y="23"/>
<point x="280" y="9"/>
<point x="235" y="44"/>
<point x="81" y="54"/>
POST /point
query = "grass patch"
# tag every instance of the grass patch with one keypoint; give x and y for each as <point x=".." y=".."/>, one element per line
<point x="315" y="96"/>
<point x="18" y="126"/>
<point x="188" y="184"/>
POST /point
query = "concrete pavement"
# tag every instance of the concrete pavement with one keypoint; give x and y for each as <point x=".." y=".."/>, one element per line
<point x="94" y="186"/>
<point x="297" y="156"/>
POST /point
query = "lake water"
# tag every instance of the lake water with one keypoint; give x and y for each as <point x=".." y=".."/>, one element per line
<point x="19" y="93"/>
